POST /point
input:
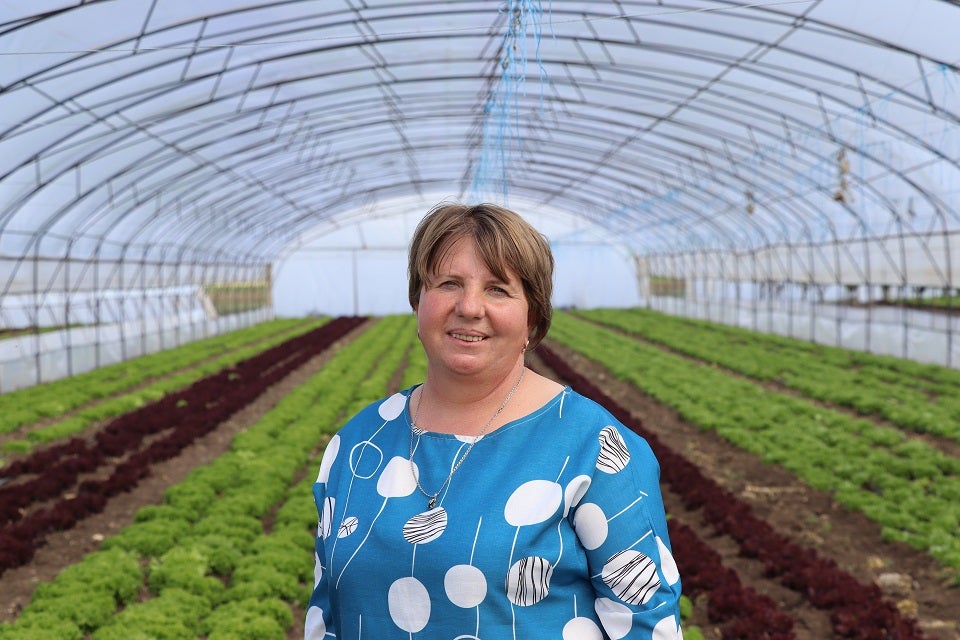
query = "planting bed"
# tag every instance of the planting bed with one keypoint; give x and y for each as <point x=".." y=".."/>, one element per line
<point x="790" y="512"/>
<point x="49" y="492"/>
<point x="763" y="555"/>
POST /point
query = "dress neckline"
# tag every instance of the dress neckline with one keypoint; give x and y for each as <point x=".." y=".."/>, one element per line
<point x="507" y="426"/>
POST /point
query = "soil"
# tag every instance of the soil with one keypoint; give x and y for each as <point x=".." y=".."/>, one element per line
<point x="808" y="516"/>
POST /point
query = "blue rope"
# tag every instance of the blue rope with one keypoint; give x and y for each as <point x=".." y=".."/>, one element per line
<point x="502" y="140"/>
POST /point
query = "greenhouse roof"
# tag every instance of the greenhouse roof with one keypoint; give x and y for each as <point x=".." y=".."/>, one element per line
<point x="224" y="130"/>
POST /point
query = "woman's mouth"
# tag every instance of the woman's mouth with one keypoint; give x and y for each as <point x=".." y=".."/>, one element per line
<point x="466" y="338"/>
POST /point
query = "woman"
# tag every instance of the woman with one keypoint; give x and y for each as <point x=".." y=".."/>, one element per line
<point x="488" y="502"/>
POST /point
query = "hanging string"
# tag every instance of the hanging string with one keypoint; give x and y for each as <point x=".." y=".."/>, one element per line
<point x="501" y="129"/>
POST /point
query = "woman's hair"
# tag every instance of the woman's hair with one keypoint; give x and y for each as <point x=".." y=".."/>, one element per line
<point x="503" y="240"/>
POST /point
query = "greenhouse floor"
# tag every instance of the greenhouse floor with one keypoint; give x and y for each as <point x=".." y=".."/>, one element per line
<point x="810" y="517"/>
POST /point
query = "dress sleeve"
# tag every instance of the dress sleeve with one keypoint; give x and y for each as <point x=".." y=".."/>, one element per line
<point x="319" y="623"/>
<point x="621" y="523"/>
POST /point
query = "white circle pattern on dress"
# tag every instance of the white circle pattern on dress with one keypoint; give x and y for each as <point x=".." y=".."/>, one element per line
<point x="533" y="502"/>
<point x="574" y="492"/>
<point x="582" y="629"/>
<point x="396" y="481"/>
<point x="667" y="629"/>
<point x="465" y="585"/>
<point x="409" y="604"/>
<point x="617" y="618"/>
<point x="326" y="517"/>
<point x="315" y="626"/>
<point x="392" y="407"/>
<point x="317" y="569"/>
<point x="329" y="456"/>
<point x="668" y="566"/>
<point x="591" y="525"/>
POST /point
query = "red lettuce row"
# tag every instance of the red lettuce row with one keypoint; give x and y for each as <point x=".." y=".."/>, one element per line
<point x="171" y="424"/>
<point x="744" y="613"/>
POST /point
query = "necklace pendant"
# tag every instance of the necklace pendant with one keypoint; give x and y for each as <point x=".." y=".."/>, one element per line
<point x="433" y="501"/>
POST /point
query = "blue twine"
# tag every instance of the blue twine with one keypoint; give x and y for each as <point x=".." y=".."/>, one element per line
<point x="502" y="139"/>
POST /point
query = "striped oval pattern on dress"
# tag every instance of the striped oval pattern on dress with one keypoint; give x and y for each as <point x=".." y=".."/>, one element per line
<point x="326" y="517"/>
<point x="426" y="526"/>
<point x="632" y="576"/>
<point x="613" y="456"/>
<point x="528" y="580"/>
<point x="348" y="526"/>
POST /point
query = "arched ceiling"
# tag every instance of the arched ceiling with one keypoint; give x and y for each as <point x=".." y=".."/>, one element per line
<point x="222" y="130"/>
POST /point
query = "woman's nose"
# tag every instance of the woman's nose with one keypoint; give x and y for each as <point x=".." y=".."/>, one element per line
<point x="470" y="303"/>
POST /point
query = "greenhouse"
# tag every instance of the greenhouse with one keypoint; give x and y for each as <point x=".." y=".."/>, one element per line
<point x="734" y="416"/>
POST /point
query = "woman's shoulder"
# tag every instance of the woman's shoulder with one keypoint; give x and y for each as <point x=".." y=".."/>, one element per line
<point x="596" y="424"/>
<point x="584" y="410"/>
<point x="375" y="414"/>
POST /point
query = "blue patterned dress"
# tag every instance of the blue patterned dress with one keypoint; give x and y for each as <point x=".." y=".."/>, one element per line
<point x="553" y="527"/>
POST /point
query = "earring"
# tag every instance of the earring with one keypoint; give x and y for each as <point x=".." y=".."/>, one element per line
<point x="525" y="345"/>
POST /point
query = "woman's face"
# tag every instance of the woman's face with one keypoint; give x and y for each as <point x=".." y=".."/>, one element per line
<point x="469" y="320"/>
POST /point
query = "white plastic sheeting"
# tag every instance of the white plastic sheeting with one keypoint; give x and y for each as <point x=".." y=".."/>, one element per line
<point x="228" y="128"/>
<point x="355" y="282"/>
<point x="900" y="332"/>
<point x="29" y="359"/>
<point x="172" y="143"/>
<point x="361" y="267"/>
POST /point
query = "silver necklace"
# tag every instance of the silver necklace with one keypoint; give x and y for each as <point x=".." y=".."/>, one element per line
<point x="416" y="431"/>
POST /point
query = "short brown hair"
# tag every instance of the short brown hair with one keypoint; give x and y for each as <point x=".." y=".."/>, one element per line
<point x="503" y="240"/>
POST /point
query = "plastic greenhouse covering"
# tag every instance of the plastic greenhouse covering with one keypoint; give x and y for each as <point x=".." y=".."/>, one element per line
<point x="171" y="169"/>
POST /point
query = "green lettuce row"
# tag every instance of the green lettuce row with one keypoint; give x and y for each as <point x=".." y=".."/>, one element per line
<point x="911" y="489"/>
<point x="87" y="592"/>
<point x="237" y="349"/>
<point x="209" y="531"/>
<point x="914" y="396"/>
<point x="270" y="568"/>
<point x="416" y="370"/>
